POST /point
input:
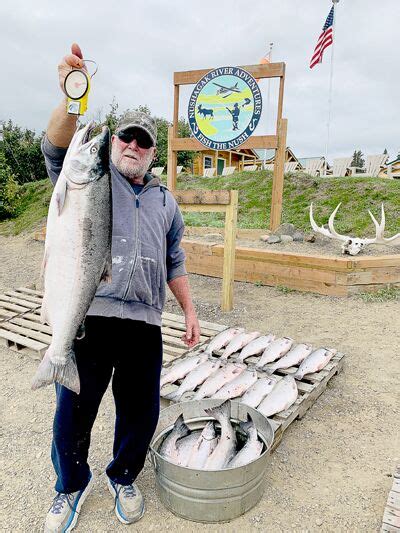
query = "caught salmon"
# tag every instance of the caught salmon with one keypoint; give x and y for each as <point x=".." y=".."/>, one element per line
<point x="276" y="349"/>
<point x="238" y="342"/>
<point x="77" y="251"/>
<point x="315" y="362"/>
<point x="282" y="396"/>
<point x="257" y="392"/>
<point x="256" y="346"/>
<point x="215" y="382"/>
<point x="226" y="447"/>
<point x="238" y="386"/>
<point x="295" y="356"/>
<point x="252" y="448"/>
<point x="222" y="339"/>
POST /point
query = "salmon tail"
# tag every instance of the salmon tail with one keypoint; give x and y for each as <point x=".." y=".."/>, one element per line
<point x="222" y="411"/>
<point x="245" y="426"/>
<point x="181" y="428"/>
<point x="174" y="396"/>
<point x="49" y="372"/>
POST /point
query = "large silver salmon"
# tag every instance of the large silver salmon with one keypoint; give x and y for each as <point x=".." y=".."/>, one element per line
<point x="226" y="447"/>
<point x="238" y="386"/>
<point x="253" y="447"/>
<point x="315" y="362"/>
<point x="295" y="356"/>
<point x="77" y="251"/>
<point x="282" y="396"/>
<point x="216" y="381"/>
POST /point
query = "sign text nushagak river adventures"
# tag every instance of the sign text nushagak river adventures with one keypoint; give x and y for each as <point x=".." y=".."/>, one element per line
<point x="224" y="108"/>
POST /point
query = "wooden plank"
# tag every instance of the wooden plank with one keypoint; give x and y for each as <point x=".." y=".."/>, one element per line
<point x="29" y="291"/>
<point x="171" y="175"/>
<point x="173" y="350"/>
<point x="394" y="500"/>
<point x="307" y="261"/>
<point x="228" y="272"/>
<point x="34" y="299"/>
<point x="13" y="307"/>
<point x="25" y="332"/>
<point x="270" y="70"/>
<point x="391" y="517"/>
<point x="206" y="208"/>
<point x="181" y="327"/>
<point x="374" y="276"/>
<point x="203" y="323"/>
<point x="280" y="99"/>
<point x="31" y="325"/>
<point x="19" y="340"/>
<point x="18" y="301"/>
<point x="212" y="266"/>
<point x="277" y="181"/>
<point x="202" y="197"/>
<point x="184" y="144"/>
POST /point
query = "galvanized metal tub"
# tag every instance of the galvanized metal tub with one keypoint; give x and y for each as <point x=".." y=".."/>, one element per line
<point x="209" y="495"/>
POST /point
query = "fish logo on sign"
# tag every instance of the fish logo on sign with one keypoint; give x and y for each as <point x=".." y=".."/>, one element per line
<point x="225" y="108"/>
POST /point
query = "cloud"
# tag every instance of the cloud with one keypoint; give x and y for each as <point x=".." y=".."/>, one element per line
<point x="138" y="46"/>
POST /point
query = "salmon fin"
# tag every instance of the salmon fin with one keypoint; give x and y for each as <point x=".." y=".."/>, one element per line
<point x="44" y="263"/>
<point x="181" y="427"/>
<point x="107" y="272"/>
<point x="81" y="332"/>
<point x="44" y="316"/>
<point x="221" y="411"/>
<point x="245" y="426"/>
<point x="49" y="372"/>
<point x="60" y="195"/>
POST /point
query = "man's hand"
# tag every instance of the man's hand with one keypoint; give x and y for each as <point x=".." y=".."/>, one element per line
<point x="70" y="61"/>
<point x="192" y="335"/>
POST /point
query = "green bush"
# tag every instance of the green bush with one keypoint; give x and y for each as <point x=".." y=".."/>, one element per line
<point x="9" y="190"/>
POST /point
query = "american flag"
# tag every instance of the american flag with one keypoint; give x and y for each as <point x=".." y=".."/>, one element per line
<point x="324" y="40"/>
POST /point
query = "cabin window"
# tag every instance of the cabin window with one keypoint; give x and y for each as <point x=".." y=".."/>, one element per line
<point x="207" y="162"/>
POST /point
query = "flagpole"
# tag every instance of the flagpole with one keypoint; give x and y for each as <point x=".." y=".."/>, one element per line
<point x="330" y="88"/>
<point x="268" y="99"/>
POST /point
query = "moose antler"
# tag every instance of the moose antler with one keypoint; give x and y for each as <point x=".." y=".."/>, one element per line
<point x="333" y="234"/>
<point x="380" y="228"/>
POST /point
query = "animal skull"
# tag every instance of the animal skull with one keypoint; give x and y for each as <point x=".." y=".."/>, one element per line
<point x="353" y="245"/>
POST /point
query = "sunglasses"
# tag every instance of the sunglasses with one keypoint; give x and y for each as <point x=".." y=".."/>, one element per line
<point x="141" y="137"/>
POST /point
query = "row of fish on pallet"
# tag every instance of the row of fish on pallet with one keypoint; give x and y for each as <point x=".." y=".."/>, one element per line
<point x="213" y="447"/>
<point x="228" y="376"/>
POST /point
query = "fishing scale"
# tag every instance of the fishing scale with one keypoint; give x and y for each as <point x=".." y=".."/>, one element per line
<point x="77" y="88"/>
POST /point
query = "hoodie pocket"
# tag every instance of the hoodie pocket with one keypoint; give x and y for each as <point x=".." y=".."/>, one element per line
<point x="145" y="283"/>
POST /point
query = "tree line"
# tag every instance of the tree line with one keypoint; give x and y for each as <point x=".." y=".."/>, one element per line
<point x="21" y="159"/>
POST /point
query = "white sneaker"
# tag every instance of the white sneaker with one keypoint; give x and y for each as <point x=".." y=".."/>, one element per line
<point x="64" y="512"/>
<point x="129" y="502"/>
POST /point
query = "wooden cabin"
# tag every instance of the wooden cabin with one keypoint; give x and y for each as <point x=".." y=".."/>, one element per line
<point x="221" y="159"/>
<point x="391" y="170"/>
<point x="269" y="156"/>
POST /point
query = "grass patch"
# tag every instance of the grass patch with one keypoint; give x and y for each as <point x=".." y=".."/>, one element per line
<point x="285" y="290"/>
<point x="382" y="295"/>
<point x="32" y="210"/>
<point x="356" y="194"/>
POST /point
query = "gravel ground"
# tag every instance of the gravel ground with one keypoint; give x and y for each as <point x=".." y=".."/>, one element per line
<point x="332" y="471"/>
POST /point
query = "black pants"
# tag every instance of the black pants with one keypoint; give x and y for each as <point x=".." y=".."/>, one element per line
<point x="133" y="350"/>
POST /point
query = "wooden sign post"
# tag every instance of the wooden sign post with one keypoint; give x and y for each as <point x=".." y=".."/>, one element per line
<point x="277" y="141"/>
<point x="217" y="201"/>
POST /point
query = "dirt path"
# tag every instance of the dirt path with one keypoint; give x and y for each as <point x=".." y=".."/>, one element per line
<point x="332" y="470"/>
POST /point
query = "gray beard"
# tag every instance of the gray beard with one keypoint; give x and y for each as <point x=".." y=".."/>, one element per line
<point x="129" y="170"/>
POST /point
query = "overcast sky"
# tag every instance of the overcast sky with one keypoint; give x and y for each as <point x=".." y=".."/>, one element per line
<point x="139" y="44"/>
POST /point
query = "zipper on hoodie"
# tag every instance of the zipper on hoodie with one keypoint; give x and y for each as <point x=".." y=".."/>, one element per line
<point x="134" y="263"/>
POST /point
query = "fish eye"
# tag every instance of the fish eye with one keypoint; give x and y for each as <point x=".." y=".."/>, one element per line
<point x="93" y="149"/>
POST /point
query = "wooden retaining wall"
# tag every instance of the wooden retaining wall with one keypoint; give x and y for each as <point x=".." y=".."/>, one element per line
<point x="328" y="275"/>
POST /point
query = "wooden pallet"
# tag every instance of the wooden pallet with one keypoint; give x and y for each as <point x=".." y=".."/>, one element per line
<point x="22" y="331"/>
<point x="391" y="516"/>
<point x="310" y="388"/>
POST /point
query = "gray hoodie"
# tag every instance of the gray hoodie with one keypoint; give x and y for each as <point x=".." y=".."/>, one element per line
<point x="146" y="252"/>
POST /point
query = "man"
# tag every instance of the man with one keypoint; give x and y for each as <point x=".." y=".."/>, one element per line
<point x="235" y="112"/>
<point x="122" y="328"/>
